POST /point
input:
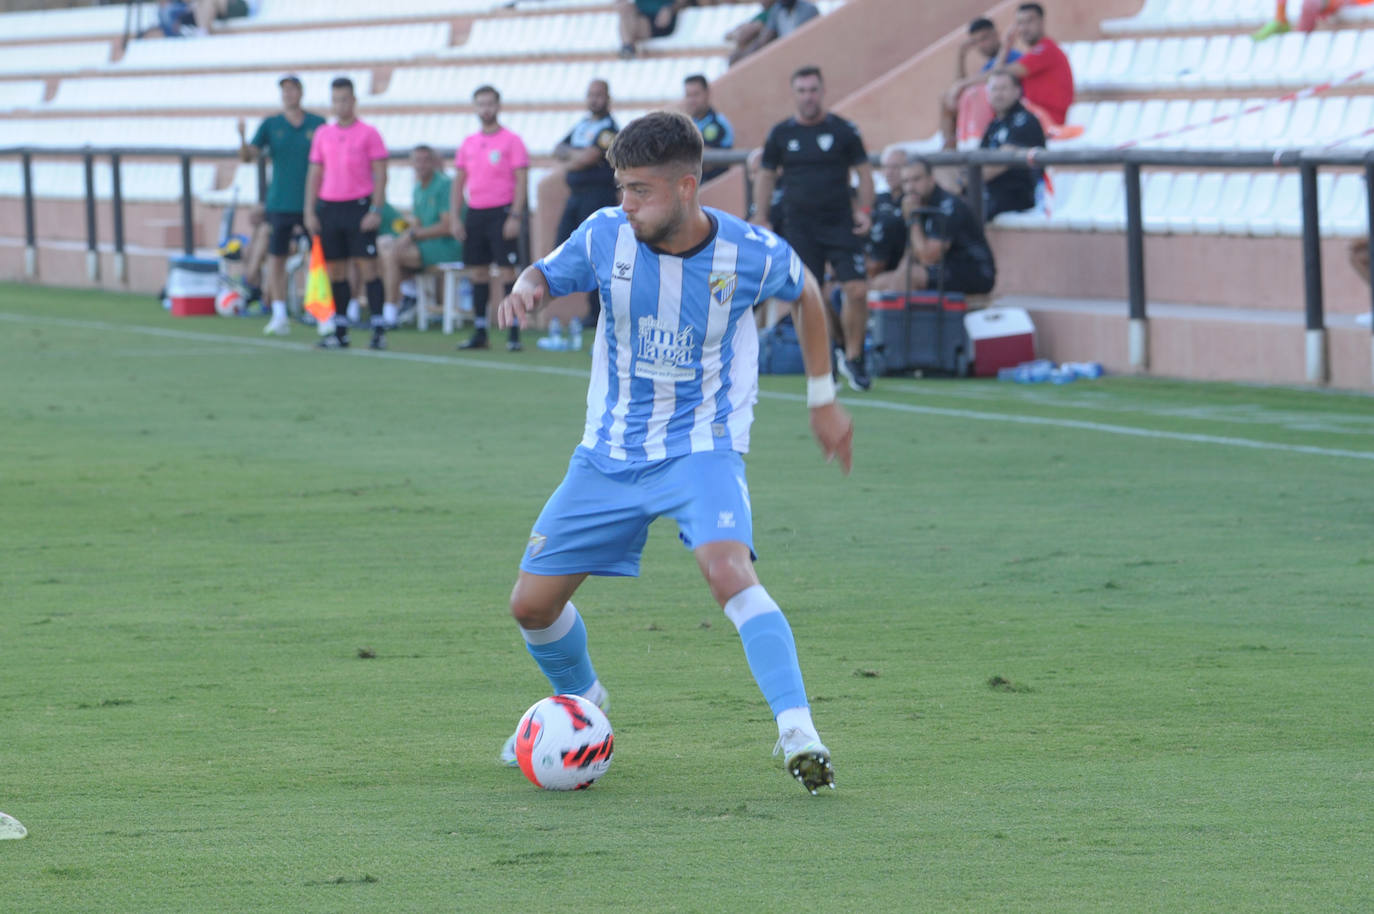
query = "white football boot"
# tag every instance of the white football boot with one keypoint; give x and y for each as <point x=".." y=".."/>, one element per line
<point x="806" y="759"/>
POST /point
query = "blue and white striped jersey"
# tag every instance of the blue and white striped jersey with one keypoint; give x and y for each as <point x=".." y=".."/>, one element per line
<point x="675" y="364"/>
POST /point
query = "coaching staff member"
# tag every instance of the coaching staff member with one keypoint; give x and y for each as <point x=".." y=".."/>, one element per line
<point x="591" y="180"/>
<point x="812" y="155"/>
<point x="344" y="192"/>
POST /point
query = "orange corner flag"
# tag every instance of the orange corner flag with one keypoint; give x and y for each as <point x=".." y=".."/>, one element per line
<point x="319" y="298"/>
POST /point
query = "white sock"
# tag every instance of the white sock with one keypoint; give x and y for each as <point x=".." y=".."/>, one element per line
<point x="278" y="310"/>
<point x="389" y="313"/>
<point x="798" y="718"/>
<point x="596" y="694"/>
<point x="408" y="287"/>
<point x="327" y="327"/>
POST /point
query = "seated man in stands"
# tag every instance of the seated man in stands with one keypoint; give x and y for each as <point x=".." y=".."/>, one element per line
<point x="644" y="19"/>
<point x="1043" y="68"/>
<point x="782" y="18"/>
<point x="964" y="108"/>
<point x="947" y="247"/>
<point x="1010" y="188"/>
<point x="198" y="17"/>
<point x="428" y="240"/>
<point x="887" y="237"/>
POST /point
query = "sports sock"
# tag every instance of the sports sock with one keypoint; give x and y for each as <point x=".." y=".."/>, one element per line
<point x="481" y="293"/>
<point x="769" y="648"/>
<point x="278" y="310"/>
<point x="389" y="313"/>
<point x="342" y="293"/>
<point x="376" y="295"/>
<point x="561" y="652"/>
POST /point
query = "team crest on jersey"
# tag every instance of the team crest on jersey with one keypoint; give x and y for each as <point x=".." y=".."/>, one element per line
<point x="536" y="545"/>
<point x="825" y="141"/>
<point x="494" y="157"/>
<point x="723" y="287"/>
<point x="794" y="145"/>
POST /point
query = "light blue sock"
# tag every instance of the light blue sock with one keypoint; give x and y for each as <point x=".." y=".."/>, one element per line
<point x="561" y="652"/>
<point x="769" y="648"/>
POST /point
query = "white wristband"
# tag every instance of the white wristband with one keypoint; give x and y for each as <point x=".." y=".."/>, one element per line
<point x="820" y="391"/>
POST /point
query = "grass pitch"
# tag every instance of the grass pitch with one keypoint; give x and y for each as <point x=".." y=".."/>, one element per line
<point x="1104" y="647"/>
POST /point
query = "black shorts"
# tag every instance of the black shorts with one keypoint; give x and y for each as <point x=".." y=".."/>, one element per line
<point x="485" y="242"/>
<point x="340" y="233"/>
<point x="818" y="243"/>
<point x="285" y="228"/>
<point x="665" y="31"/>
<point x="961" y="277"/>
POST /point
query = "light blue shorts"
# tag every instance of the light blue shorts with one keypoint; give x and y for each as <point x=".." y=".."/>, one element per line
<point x="597" y="520"/>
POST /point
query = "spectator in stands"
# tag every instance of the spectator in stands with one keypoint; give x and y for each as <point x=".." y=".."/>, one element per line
<point x="716" y="131"/>
<point x="887" y="237"/>
<point x="947" y="247"/>
<point x="428" y="238"/>
<point x="492" y="168"/>
<point x="1010" y="188"/>
<point x="812" y="154"/>
<point x="1359" y="257"/>
<point x="1043" y="68"/>
<point x="591" y="180"/>
<point x="1313" y="12"/>
<point x="198" y="17"/>
<point x="344" y="192"/>
<point x="644" y="19"/>
<point x="286" y="137"/>
<point x="783" y="17"/>
<point x="964" y="108"/>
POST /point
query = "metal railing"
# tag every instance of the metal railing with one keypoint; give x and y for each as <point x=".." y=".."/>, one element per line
<point x="1131" y="161"/>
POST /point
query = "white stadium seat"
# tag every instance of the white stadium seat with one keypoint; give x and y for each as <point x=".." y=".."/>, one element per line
<point x="290" y="48"/>
<point x="21" y="94"/>
<point x="226" y="90"/>
<point x="86" y="22"/>
<point x="55" y="59"/>
<point x="139" y="181"/>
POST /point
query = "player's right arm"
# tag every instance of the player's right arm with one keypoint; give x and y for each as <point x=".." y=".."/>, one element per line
<point x="524" y="299"/>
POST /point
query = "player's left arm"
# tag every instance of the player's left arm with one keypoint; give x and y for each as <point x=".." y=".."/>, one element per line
<point x="830" y="424"/>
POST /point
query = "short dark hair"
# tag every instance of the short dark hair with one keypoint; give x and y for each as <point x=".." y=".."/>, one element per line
<point x="1002" y="71"/>
<point x="657" y="138"/>
<point x="1035" y="8"/>
<point x="423" y="147"/>
<point x="485" y="90"/>
<point x="921" y="161"/>
<point x="342" y="82"/>
<point x="697" y="78"/>
<point x="808" y="70"/>
<point x="290" y="78"/>
<point x="981" y="24"/>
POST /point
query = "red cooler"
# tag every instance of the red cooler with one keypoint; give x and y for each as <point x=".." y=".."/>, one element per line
<point x="1000" y="338"/>
<point x="192" y="284"/>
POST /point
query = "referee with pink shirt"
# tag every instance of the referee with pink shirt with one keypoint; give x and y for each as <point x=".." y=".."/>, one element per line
<point x="344" y="192"/>
<point x="492" y="165"/>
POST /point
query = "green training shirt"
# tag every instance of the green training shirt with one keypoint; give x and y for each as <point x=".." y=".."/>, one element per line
<point x="289" y="147"/>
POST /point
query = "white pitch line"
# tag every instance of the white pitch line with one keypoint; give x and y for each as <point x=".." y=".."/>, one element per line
<point x="859" y="403"/>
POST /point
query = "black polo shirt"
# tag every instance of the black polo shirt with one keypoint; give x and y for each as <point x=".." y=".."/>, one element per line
<point x="815" y="160"/>
<point x="946" y="217"/>
<point x="1014" y="189"/>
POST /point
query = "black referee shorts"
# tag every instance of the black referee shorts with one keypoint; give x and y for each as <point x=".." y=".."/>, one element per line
<point x="961" y="277"/>
<point x="285" y="227"/>
<point x="834" y="242"/>
<point x="485" y="243"/>
<point x="341" y="235"/>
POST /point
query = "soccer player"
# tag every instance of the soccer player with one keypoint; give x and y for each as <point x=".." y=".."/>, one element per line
<point x="715" y="129"/>
<point x="492" y="166"/>
<point x="591" y="182"/>
<point x="674" y="380"/>
<point x="812" y="155"/>
<point x="286" y="137"/>
<point x="345" y="189"/>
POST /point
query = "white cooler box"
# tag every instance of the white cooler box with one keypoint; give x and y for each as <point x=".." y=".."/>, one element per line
<point x="999" y="338"/>
<point x="192" y="284"/>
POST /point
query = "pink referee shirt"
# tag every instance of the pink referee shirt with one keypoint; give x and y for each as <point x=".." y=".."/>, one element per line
<point x="347" y="154"/>
<point x="490" y="161"/>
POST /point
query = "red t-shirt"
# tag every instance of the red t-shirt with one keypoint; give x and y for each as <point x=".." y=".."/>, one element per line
<point x="1048" y="82"/>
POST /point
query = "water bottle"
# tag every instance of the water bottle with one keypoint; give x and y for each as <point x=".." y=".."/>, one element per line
<point x="1085" y="369"/>
<point x="1037" y="372"/>
<point x="575" y="334"/>
<point x="553" y="340"/>
<point x="1064" y="374"/>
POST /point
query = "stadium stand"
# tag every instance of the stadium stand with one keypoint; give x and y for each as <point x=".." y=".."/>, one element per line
<point x="1224" y="266"/>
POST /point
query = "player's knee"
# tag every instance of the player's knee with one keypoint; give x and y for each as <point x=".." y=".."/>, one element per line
<point x="729" y="573"/>
<point x="530" y="611"/>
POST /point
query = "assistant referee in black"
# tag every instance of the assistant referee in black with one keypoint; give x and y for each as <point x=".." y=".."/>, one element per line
<point x="812" y="155"/>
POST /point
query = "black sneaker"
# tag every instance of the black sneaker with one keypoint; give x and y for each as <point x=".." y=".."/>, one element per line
<point x="378" y="340"/>
<point x="341" y="334"/>
<point x="329" y="341"/>
<point x="477" y="341"/>
<point x="856" y="373"/>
